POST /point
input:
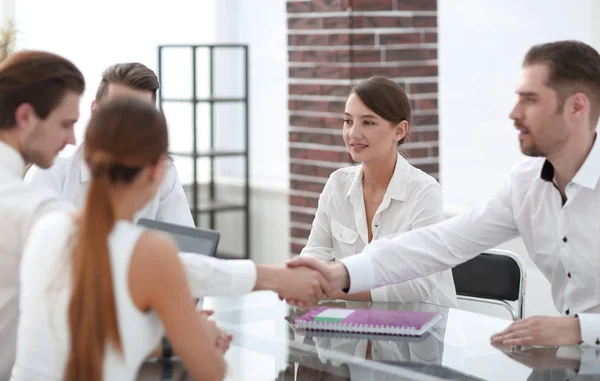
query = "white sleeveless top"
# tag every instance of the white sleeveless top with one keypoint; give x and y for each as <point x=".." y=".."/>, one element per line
<point x="43" y="333"/>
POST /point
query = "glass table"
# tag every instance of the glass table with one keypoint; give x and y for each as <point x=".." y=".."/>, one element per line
<point x="267" y="347"/>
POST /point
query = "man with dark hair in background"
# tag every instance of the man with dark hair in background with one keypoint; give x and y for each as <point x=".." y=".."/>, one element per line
<point x="69" y="177"/>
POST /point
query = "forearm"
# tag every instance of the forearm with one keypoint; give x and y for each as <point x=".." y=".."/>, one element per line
<point x="431" y="249"/>
<point x="268" y="277"/>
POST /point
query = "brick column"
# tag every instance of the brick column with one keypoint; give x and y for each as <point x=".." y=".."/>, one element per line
<point x="332" y="45"/>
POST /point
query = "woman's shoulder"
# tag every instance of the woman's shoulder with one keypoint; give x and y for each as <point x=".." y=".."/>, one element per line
<point x="154" y="246"/>
<point x="422" y="186"/>
<point x="418" y="178"/>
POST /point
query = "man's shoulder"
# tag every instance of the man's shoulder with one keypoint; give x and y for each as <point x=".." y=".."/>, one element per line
<point x="171" y="178"/>
<point x="56" y="172"/>
<point x="23" y="198"/>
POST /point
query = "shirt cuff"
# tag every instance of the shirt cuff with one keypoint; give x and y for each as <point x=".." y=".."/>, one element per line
<point x="590" y="329"/>
<point x="243" y="276"/>
<point x="360" y="272"/>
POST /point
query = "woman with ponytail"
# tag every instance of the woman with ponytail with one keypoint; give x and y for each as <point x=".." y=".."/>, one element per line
<point x="94" y="305"/>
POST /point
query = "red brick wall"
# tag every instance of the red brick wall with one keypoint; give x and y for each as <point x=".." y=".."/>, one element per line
<point x="333" y="44"/>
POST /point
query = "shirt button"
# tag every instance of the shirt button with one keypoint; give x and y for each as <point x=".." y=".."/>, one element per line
<point x="567" y="311"/>
<point x="376" y="225"/>
<point x="569" y="274"/>
<point x="565" y="239"/>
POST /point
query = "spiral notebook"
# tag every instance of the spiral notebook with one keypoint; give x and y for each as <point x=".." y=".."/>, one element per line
<point x="360" y="320"/>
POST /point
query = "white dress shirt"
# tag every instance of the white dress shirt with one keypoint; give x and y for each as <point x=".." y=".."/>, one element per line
<point x="70" y="177"/>
<point x="562" y="240"/>
<point x="412" y="199"/>
<point x="20" y="206"/>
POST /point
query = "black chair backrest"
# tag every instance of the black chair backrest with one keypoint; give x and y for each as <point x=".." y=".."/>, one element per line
<point x="189" y="240"/>
<point x="488" y="276"/>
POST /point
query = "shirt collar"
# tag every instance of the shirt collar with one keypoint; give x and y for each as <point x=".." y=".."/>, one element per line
<point x="587" y="176"/>
<point x="397" y="187"/>
<point x="12" y="160"/>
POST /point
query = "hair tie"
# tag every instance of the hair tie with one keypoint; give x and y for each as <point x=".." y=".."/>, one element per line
<point x="101" y="157"/>
<point x="100" y="162"/>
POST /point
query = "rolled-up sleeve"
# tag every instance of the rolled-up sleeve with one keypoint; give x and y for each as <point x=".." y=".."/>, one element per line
<point x="209" y="276"/>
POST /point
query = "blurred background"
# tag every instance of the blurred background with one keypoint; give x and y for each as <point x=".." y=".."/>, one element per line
<point x="269" y="133"/>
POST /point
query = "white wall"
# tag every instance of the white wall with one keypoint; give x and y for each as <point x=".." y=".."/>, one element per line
<point x="7" y="10"/>
<point x="263" y="25"/>
<point x="481" y="46"/>
<point x="97" y="34"/>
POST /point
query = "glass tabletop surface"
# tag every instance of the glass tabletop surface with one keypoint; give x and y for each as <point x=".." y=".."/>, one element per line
<point x="268" y="346"/>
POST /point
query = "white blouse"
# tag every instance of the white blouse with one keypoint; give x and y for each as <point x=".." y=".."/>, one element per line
<point x="413" y="199"/>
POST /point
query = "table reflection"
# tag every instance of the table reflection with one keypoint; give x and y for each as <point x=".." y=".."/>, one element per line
<point x="267" y="346"/>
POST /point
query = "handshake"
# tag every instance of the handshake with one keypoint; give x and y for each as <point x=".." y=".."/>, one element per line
<point x="304" y="281"/>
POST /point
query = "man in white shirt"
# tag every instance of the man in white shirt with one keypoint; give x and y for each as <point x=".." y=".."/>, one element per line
<point x="39" y="105"/>
<point x="33" y="127"/>
<point x="70" y="177"/>
<point x="551" y="200"/>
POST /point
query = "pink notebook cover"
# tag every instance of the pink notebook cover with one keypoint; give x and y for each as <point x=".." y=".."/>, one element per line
<point x="368" y="321"/>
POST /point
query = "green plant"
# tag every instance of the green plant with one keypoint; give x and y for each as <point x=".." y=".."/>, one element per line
<point x="8" y="37"/>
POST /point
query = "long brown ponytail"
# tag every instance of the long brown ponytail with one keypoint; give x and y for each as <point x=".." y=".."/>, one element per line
<point x="92" y="314"/>
<point x="122" y="137"/>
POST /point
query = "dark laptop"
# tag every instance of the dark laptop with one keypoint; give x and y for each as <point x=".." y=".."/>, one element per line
<point x="189" y="240"/>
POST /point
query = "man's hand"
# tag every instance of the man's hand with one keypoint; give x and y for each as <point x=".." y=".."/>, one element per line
<point x="334" y="273"/>
<point x="303" y="284"/>
<point x="541" y="331"/>
<point x="223" y="341"/>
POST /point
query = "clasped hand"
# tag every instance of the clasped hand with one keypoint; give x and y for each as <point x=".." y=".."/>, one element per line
<point x="307" y="281"/>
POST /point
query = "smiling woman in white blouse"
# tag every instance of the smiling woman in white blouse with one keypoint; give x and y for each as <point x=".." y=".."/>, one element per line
<point x="382" y="197"/>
